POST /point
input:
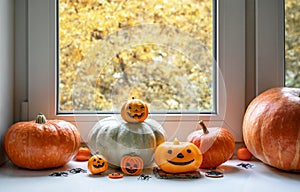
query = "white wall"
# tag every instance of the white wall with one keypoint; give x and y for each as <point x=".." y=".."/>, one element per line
<point x="6" y="69"/>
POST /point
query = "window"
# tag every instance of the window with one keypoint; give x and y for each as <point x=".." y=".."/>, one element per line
<point x="229" y="75"/>
<point x="292" y="43"/>
<point x="154" y="50"/>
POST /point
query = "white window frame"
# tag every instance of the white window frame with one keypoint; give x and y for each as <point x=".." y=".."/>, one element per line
<point x="231" y="53"/>
<point x="269" y="44"/>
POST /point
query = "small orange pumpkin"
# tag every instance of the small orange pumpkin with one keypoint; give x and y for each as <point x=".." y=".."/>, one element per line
<point x="244" y="154"/>
<point x="41" y="144"/>
<point x="132" y="164"/>
<point x="134" y="111"/>
<point x="178" y="157"/>
<point x="83" y="154"/>
<point x="216" y="145"/>
<point x="97" y="164"/>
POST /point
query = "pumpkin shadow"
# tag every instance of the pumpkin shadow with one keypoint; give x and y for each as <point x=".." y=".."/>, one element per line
<point x="282" y="173"/>
<point x="97" y="175"/>
<point x="225" y="169"/>
<point x="11" y="170"/>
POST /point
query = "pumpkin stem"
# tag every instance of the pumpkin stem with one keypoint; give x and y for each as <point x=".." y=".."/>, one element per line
<point x="176" y="142"/>
<point x="41" y="119"/>
<point x="203" y="126"/>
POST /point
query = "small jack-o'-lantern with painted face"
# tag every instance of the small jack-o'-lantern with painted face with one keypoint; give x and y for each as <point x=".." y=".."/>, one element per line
<point x="134" y="111"/>
<point x="132" y="164"/>
<point x="178" y="157"/>
<point x="97" y="164"/>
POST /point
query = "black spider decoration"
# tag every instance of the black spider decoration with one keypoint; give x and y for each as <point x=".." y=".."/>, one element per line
<point x="65" y="174"/>
<point x="77" y="170"/>
<point x="245" y="165"/>
<point x="59" y="174"/>
<point x="144" y="177"/>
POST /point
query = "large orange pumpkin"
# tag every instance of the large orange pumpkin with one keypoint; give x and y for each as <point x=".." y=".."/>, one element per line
<point x="271" y="128"/>
<point x="216" y="145"/>
<point x="41" y="143"/>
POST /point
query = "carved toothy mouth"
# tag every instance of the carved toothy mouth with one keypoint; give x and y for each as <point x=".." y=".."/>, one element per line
<point x="131" y="171"/>
<point x="181" y="163"/>
<point x="99" y="166"/>
<point x="135" y="115"/>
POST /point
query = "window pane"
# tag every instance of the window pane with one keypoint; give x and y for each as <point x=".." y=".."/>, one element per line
<point x="160" y="51"/>
<point x="292" y="43"/>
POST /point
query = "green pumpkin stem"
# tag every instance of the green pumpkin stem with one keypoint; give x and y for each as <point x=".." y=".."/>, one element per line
<point x="203" y="126"/>
<point x="41" y="119"/>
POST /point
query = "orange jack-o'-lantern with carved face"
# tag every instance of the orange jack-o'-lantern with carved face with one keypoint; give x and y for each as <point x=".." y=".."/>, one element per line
<point x="134" y="111"/>
<point x="132" y="164"/>
<point x="178" y="157"/>
<point x="97" y="164"/>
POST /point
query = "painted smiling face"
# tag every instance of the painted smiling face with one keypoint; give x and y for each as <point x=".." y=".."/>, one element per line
<point x="132" y="165"/>
<point x="178" y="157"/>
<point x="97" y="164"/>
<point x="134" y="111"/>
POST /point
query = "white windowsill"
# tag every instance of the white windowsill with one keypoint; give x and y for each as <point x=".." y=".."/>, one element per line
<point x="236" y="178"/>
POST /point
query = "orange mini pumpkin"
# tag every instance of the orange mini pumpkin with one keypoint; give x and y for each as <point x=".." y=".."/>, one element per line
<point x="134" y="111"/>
<point x="178" y="157"/>
<point x="132" y="164"/>
<point x="244" y="154"/>
<point x="42" y="143"/>
<point x="97" y="164"/>
<point x="83" y="154"/>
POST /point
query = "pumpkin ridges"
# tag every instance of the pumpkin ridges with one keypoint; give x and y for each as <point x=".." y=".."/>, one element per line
<point x="209" y="160"/>
<point x="37" y="146"/>
<point x="106" y="135"/>
<point x="271" y="106"/>
<point x="251" y="133"/>
<point x="276" y="128"/>
<point x="216" y="145"/>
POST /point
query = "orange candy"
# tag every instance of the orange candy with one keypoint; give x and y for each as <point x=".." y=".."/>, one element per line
<point x="244" y="154"/>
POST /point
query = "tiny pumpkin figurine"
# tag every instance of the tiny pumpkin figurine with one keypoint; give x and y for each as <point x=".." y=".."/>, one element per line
<point x="83" y="154"/>
<point x="132" y="164"/>
<point x="216" y="145"/>
<point x="97" y="164"/>
<point x="244" y="154"/>
<point x="134" y="111"/>
<point x="178" y="157"/>
<point x="41" y="143"/>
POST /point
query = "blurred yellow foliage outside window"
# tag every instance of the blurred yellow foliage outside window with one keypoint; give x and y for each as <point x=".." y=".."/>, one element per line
<point x="160" y="51"/>
<point x="292" y="43"/>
